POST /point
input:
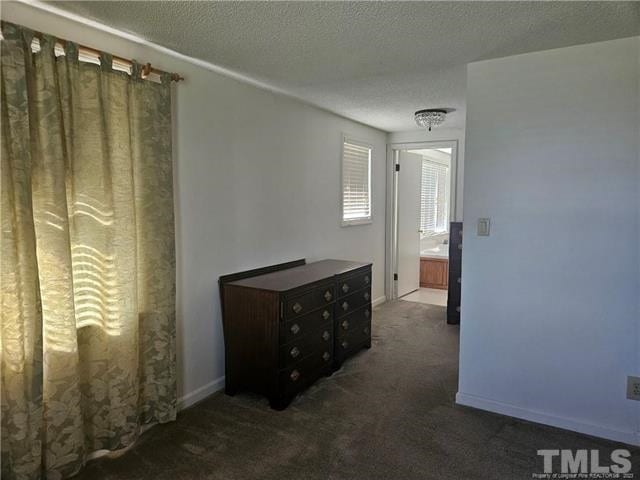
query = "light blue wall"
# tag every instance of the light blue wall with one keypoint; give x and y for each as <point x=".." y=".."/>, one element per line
<point x="550" y="300"/>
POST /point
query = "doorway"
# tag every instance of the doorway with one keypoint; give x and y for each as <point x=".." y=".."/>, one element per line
<point x="423" y="205"/>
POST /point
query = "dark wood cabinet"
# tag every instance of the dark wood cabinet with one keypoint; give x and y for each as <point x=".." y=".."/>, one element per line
<point x="287" y="325"/>
<point x="455" y="273"/>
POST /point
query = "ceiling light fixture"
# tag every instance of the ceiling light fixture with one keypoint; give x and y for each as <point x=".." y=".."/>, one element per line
<point x="431" y="117"/>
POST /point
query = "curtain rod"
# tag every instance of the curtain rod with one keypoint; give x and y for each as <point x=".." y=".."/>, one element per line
<point x="146" y="68"/>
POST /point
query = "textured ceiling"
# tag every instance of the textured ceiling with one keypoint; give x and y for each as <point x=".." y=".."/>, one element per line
<point x="375" y="62"/>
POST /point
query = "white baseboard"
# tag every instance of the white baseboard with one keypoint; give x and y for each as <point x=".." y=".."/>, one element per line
<point x="629" y="437"/>
<point x="378" y="301"/>
<point x="201" y="393"/>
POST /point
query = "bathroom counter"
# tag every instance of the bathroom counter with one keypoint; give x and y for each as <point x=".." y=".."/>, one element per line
<point x="439" y="251"/>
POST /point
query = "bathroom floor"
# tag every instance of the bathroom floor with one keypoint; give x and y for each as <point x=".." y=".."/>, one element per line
<point x="430" y="296"/>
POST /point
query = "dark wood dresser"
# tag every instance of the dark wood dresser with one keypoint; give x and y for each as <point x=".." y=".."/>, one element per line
<point x="287" y="325"/>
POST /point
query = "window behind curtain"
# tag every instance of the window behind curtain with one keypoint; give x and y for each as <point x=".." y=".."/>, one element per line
<point x="434" y="198"/>
<point x="356" y="183"/>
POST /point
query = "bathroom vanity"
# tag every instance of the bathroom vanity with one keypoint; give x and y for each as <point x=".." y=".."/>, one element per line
<point x="434" y="267"/>
<point x="434" y="272"/>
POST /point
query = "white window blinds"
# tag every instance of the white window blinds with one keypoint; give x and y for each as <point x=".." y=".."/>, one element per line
<point x="434" y="198"/>
<point x="356" y="183"/>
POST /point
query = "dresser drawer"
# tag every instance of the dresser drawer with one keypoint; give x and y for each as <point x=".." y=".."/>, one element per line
<point x="354" y="339"/>
<point x="299" y="327"/>
<point x="348" y="323"/>
<point x="297" y="377"/>
<point x="300" y="304"/>
<point x="352" y="302"/>
<point x="319" y="339"/>
<point x="350" y="284"/>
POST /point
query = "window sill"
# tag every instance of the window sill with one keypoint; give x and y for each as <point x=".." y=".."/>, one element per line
<point x="357" y="221"/>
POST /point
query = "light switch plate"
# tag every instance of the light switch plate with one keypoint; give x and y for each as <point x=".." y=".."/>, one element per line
<point x="633" y="388"/>
<point x="484" y="227"/>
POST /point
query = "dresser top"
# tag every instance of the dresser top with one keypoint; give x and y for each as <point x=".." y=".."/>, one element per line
<point x="291" y="278"/>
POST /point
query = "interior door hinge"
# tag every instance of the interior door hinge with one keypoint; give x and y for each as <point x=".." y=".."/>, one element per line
<point x="397" y="167"/>
<point x="395" y="276"/>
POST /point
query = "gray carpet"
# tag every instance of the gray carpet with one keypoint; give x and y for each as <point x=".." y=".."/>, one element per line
<point x="389" y="413"/>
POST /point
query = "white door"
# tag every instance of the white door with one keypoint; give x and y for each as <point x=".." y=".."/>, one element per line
<point x="409" y="184"/>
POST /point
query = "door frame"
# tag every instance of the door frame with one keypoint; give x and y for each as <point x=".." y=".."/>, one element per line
<point x="391" y="221"/>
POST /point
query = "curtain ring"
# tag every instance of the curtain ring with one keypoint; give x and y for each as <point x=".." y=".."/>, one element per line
<point x="135" y="70"/>
<point x="27" y="38"/>
<point x="47" y="43"/>
<point x="72" y="52"/>
<point x="11" y="31"/>
<point x="165" y="78"/>
<point x="106" y="61"/>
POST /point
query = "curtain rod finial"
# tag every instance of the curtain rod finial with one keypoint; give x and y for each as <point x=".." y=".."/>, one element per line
<point x="146" y="70"/>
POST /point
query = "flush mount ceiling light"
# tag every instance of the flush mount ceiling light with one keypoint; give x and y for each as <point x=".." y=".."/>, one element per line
<point x="431" y="117"/>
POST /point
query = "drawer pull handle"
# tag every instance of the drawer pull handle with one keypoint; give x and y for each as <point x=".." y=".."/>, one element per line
<point x="459" y="246"/>
<point x="326" y="335"/>
<point x="366" y="295"/>
<point x="295" y="328"/>
<point x="345" y="287"/>
<point x="459" y="280"/>
<point x="366" y="279"/>
<point x="345" y="325"/>
<point x="345" y="306"/>
<point x="458" y="309"/>
<point x="345" y="344"/>
<point x="366" y="330"/>
<point x="328" y="296"/>
<point x="297" y="308"/>
<point x="295" y="375"/>
<point x="326" y="314"/>
<point x="326" y="356"/>
<point x="367" y="313"/>
<point x="295" y="351"/>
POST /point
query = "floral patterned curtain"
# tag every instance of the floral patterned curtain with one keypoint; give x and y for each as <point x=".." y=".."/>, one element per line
<point x="87" y="272"/>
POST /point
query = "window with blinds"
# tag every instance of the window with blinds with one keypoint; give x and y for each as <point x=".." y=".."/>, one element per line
<point x="356" y="183"/>
<point x="434" y="198"/>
